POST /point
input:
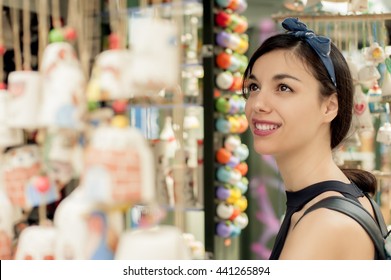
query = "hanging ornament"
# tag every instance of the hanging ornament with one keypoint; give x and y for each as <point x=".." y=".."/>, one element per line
<point x="36" y="243"/>
<point x="384" y="134"/>
<point x="374" y="99"/>
<point x="363" y="118"/>
<point x="375" y="54"/>
<point x="386" y="87"/>
<point x="387" y="62"/>
<point x="368" y="75"/>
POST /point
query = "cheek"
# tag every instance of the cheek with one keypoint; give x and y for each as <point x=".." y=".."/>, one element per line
<point x="247" y="109"/>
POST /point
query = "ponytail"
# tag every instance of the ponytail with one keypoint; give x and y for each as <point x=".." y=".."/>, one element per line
<point x="365" y="180"/>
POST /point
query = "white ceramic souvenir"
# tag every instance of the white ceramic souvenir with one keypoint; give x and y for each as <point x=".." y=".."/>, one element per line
<point x="36" y="243"/>
<point x="110" y="78"/>
<point x="63" y="98"/>
<point x="118" y="167"/>
<point x="70" y="219"/>
<point x="167" y="136"/>
<point x="6" y="226"/>
<point x="362" y="119"/>
<point x="9" y="136"/>
<point x="384" y="134"/>
<point x="24" y="101"/>
<point x="155" y="51"/>
<point x="386" y="87"/>
<point x="157" y="243"/>
<point x="191" y="124"/>
<point x="55" y="54"/>
<point x="367" y="75"/>
<point x="22" y="180"/>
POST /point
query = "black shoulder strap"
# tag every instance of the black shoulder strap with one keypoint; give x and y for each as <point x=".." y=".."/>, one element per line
<point x="359" y="214"/>
<point x="378" y="215"/>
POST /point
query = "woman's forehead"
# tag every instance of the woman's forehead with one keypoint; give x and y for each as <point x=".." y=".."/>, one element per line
<point x="280" y="60"/>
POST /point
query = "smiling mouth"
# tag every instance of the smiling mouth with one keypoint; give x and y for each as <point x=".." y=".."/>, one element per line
<point x="266" y="127"/>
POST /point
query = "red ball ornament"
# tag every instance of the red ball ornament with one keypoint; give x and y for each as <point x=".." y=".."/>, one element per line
<point x="114" y="41"/>
<point x="42" y="184"/>
<point x="3" y="86"/>
<point x="223" y="19"/>
<point x="70" y="34"/>
<point x="119" y="106"/>
<point x="3" y="49"/>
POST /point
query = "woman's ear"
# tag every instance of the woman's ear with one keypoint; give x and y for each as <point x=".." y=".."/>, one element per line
<point x="330" y="107"/>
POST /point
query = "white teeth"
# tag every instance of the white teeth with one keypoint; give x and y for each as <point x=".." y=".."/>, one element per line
<point x="266" y="127"/>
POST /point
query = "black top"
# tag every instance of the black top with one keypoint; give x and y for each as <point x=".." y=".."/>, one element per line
<point x="296" y="201"/>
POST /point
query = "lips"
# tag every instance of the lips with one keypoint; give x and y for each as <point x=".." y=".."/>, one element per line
<point x="264" y="128"/>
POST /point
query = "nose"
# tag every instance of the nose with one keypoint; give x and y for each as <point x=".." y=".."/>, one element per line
<point x="260" y="102"/>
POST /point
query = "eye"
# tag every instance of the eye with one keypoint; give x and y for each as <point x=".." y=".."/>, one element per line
<point x="249" y="89"/>
<point x="253" y="87"/>
<point x="284" y="88"/>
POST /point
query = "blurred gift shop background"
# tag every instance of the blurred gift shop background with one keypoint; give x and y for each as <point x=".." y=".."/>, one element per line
<point x="122" y="130"/>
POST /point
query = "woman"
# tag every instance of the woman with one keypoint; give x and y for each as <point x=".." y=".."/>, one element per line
<point x="299" y="105"/>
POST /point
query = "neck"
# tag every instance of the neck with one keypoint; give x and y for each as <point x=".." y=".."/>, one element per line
<point x="308" y="166"/>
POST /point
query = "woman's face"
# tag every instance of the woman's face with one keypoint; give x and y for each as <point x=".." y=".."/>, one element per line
<point x="284" y="105"/>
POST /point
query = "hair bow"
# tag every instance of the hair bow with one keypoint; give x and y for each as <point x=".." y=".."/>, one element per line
<point x="320" y="44"/>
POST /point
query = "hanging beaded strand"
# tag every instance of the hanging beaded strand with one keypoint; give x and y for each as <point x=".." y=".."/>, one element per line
<point x="16" y="38"/>
<point x="70" y="32"/>
<point x="26" y="36"/>
<point x="85" y="28"/>
<point x="56" y="34"/>
<point x="118" y="24"/>
<point x="43" y="28"/>
<point x="2" y="48"/>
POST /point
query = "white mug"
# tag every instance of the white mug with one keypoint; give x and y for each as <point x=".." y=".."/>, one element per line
<point x="9" y="136"/>
<point x="110" y="78"/>
<point x="24" y="101"/>
<point x="36" y="243"/>
<point x="63" y="98"/>
<point x="157" y="243"/>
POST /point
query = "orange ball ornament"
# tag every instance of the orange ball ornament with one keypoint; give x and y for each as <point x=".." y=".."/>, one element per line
<point x="242" y="167"/>
<point x="223" y="155"/>
<point x="223" y="60"/>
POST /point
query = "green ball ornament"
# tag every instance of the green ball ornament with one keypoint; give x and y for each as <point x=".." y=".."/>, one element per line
<point x="92" y="105"/>
<point x="222" y="105"/>
<point x="56" y="35"/>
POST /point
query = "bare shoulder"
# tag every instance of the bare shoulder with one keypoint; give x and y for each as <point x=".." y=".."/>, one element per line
<point x="327" y="234"/>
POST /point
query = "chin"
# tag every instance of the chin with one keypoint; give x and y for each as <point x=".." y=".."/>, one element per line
<point x="265" y="150"/>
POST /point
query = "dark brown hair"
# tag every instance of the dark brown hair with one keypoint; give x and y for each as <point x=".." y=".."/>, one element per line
<point x="340" y="126"/>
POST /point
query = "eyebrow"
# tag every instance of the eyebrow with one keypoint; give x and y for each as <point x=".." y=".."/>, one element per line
<point x="285" y="76"/>
<point x="252" y="77"/>
<point x="276" y="77"/>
